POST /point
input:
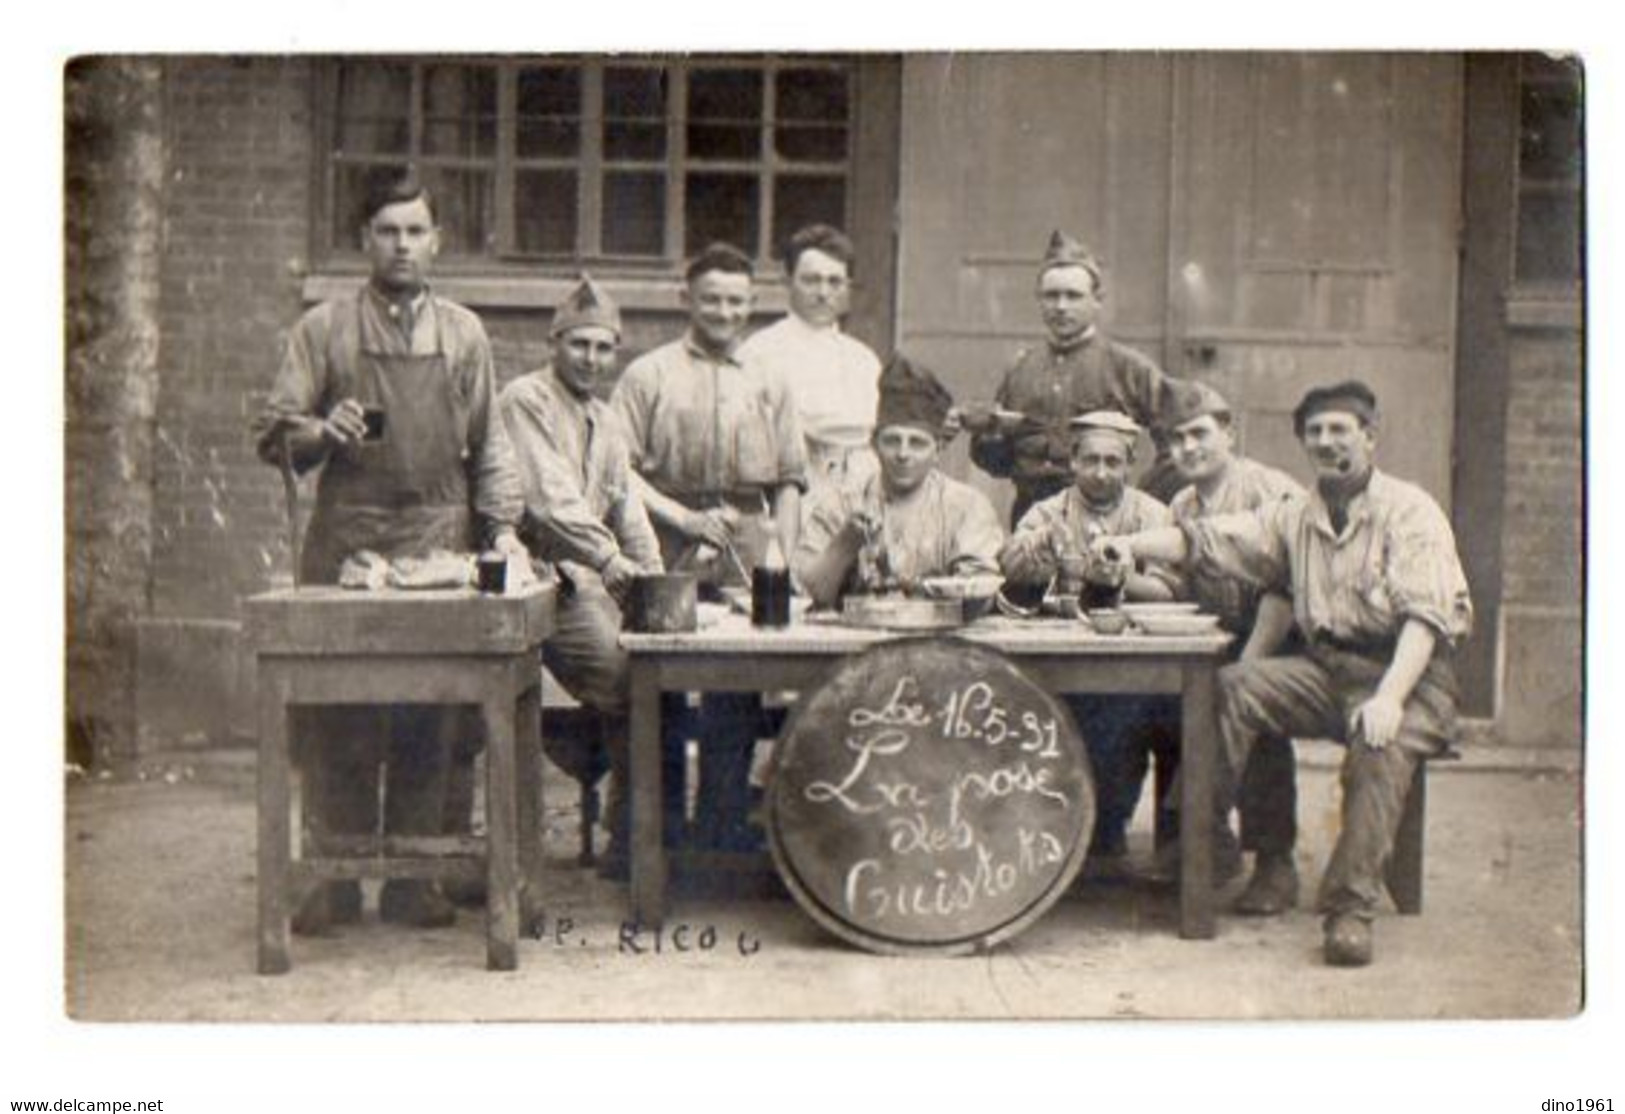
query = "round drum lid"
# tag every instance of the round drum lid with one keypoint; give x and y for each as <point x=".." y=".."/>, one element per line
<point x="929" y="797"/>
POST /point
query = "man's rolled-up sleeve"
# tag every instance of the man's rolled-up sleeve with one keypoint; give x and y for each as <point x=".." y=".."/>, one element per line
<point x="1249" y="546"/>
<point x="498" y="495"/>
<point x="556" y="505"/>
<point x="291" y="407"/>
<point x="1423" y="573"/>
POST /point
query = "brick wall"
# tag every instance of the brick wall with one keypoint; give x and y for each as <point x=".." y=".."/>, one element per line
<point x="1541" y="547"/>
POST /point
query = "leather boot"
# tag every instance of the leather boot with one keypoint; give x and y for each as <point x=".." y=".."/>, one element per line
<point x="1348" y="940"/>
<point x="1272" y="889"/>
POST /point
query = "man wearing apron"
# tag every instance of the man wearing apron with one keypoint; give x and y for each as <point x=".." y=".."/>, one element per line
<point x="390" y="392"/>
<point x="1076" y="370"/>
<point x="907" y="522"/>
<point x="832" y="376"/>
<point x="717" y="452"/>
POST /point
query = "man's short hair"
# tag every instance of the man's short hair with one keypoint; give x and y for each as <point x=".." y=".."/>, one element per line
<point x="719" y="257"/>
<point x="393" y="187"/>
<point x="1349" y="397"/>
<point x="819" y="237"/>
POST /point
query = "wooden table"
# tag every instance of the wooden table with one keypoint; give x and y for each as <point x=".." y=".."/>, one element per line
<point x="1063" y="655"/>
<point x="328" y="645"/>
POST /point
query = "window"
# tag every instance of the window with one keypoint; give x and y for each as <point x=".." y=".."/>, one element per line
<point x="618" y="160"/>
<point x="1550" y="171"/>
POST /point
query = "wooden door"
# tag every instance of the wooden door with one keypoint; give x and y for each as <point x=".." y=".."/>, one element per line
<point x="1268" y="222"/>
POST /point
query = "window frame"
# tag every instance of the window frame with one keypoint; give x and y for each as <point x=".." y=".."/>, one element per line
<point x="505" y="260"/>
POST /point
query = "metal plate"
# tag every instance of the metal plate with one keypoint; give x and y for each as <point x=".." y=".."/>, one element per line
<point x="902" y="614"/>
<point x="929" y="797"/>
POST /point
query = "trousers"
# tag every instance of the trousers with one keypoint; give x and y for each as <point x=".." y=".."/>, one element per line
<point x="1312" y="696"/>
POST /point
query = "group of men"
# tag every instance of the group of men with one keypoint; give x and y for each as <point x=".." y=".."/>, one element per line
<point x="714" y="448"/>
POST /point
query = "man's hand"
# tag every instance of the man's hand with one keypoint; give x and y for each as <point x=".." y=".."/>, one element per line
<point x="714" y="527"/>
<point x="1376" y="722"/>
<point x="344" y="427"/>
<point x="1113" y="551"/>
<point x="507" y="543"/>
<point x="617" y="574"/>
<point x="863" y="522"/>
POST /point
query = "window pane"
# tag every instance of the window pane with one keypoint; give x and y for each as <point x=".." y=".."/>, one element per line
<point x="709" y="141"/>
<point x="549" y="110"/>
<point x="812" y="95"/>
<point x="632" y="142"/>
<point x="545" y="212"/>
<point x="374" y="103"/>
<point x="732" y="95"/>
<point x="463" y="208"/>
<point x="1548" y="236"/>
<point x="634" y="214"/>
<point x="798" y="202"/>
<point x="810" y="144"/>
<point x="634" y="94"/>
<point x="351" y="185"/>
<point x="459" y="111"/>
<point x="721" y="207"/>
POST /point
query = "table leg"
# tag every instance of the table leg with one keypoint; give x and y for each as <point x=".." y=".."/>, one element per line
<point x="648" y="820"/>
<point x="273" y="825"/>
<point x="501" y="880"/>
<point x="528" y="760"/>
<point x="1198" y="745"/>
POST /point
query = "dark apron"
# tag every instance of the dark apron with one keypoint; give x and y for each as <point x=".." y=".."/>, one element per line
<point x="408" y="492"/>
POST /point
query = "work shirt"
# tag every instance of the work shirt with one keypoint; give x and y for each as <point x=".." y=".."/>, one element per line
<point x="1395" y="560"/>
<point x="942" y="528"/>
<point x="1244" y="485"/>
<point x="834" y="380"/>
<point x="319" y="369"/>
<point x="1051" y="385"/>
<point x="1029" y="556"/>
<point x="581" y="507"/>
<point x="701" y="428"/>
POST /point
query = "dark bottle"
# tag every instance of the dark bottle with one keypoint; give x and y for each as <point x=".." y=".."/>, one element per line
<point x="770" y="587"/>
<point x="1103" y="583"/>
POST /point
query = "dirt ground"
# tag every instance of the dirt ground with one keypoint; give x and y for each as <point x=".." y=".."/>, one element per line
<point x="160" y="926"/>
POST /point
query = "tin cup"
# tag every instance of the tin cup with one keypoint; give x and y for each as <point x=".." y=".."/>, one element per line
<point x="373" y="418"/>
<point x="491" y="573"/>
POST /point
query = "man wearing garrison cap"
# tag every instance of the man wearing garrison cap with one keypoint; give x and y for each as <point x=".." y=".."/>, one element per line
<point x="1076" y="370"/>
<point x="908" y="522"/>
<point x="1379" y="600"/>
<point x="1100" y="503"/>
<point x="1201" y="440"/>
<point x="583" y="512"/>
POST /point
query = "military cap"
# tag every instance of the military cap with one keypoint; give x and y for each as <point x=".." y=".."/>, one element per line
<point x="911" y="395"/>
<point x="587" y="304"/>
<point x="1109" y="421"/>
<point x="1185" y="402"/>
<point x="1350" y="397"/>
<point x="1065" y="251"/>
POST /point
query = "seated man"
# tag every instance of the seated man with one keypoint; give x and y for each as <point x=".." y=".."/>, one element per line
<point x="1379" y="599"/>
<point x="908" y="522"/>
<point x="1101" y="503"/>
<point x="1200" y="435"/>
<point x="582" y="511"/>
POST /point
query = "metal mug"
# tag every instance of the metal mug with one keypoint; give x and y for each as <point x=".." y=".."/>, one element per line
<point x="664" y="603"/>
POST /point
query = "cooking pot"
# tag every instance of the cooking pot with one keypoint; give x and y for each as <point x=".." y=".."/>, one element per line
<point x="663" y="603"/>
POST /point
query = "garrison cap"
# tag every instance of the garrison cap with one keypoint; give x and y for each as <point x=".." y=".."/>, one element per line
<point x="587" y="304"/>
<point x="911" y="395"/>
<point x="1185" y="402"/>
<point x="1066" y="251"/>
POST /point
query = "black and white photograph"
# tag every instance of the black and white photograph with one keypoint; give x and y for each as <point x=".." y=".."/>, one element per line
<point x="855" y="535"/>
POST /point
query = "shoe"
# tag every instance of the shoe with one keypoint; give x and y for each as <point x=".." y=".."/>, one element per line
<point x="1272" y="889"/>
<point x="415" y="903"/>
<point x="328" y="905"/>
<point x="1105" y="866"/>
<point x="1164" y="868"/>
<point x="1348" y="940"/>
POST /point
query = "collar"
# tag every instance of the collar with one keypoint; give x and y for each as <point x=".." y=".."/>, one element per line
<point x="1081" y="341"/>
<point x="696" y="350"/>
<point x="1222" y="481"/>
<point x="807" y="328"/>
<point x="1359" y="509"/>
<point x="564" y="393"/>
<point x="391" y="306"/>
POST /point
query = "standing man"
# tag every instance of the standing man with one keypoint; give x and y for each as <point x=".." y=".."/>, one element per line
<point x="1078" y="369"/>
<point x="1066" y="524"/>
<point x="582" y="511"/>
<point x="907" y="522"/>
<point x="717" y="451"/>
<point x="439" y="474"/>
<point x="1380" y="601"/>
<point x="1201" y="438"/>
<point x="832" y="376"/>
